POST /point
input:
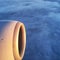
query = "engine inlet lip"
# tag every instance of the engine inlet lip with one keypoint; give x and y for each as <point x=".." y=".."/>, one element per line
<point x="19" y="28"/>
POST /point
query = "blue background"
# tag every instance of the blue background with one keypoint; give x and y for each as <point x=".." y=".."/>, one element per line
<point x="42" y="22"/>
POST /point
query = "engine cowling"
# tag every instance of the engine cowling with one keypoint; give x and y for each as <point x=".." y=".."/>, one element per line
<point x="12" y="40"/>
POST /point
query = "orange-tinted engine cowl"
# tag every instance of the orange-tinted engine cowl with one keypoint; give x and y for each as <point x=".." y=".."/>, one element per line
<point x="12" y="40"/>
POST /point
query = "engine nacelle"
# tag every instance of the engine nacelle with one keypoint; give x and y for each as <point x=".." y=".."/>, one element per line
<point x="12" y="40"/>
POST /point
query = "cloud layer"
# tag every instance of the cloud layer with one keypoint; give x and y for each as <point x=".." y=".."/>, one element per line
<point x="42" y="21"/>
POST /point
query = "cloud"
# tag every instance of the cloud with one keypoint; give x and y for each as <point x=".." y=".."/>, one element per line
<point x="9" y="6"/>
<point x="53" y="0"/>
